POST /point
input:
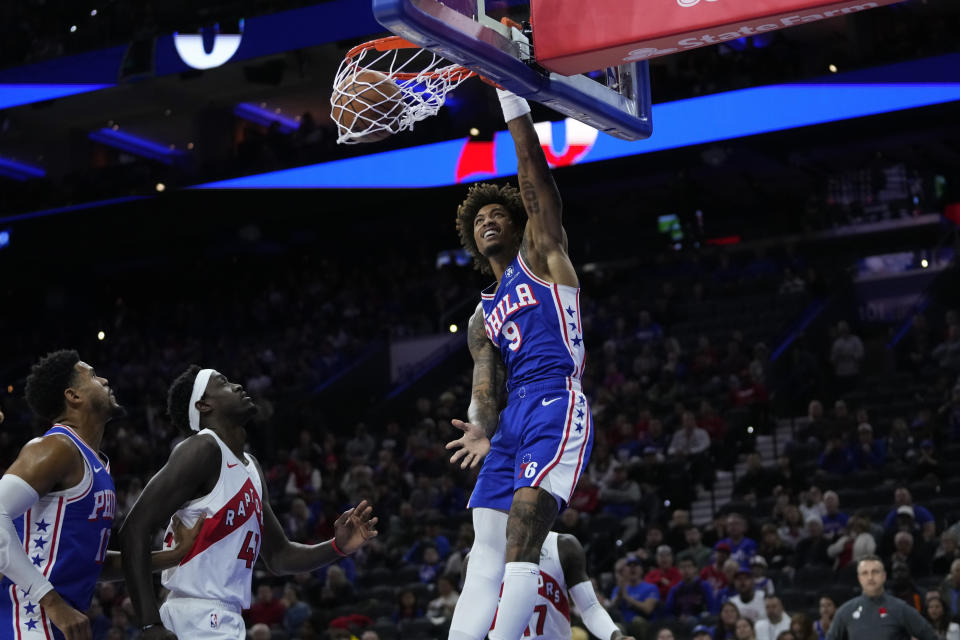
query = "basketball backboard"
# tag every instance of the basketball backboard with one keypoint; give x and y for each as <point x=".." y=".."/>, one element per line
<point x="618" y="102"/>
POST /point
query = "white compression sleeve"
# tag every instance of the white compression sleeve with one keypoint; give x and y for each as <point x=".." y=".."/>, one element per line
<point x="598" y="621"/>
<point x="481" y="589"/>
<point x="513" y="106"/>
<point x="16" y="496"/>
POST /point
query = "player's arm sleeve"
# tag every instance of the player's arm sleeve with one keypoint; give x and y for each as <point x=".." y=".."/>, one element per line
<point x="16" y="496"/>
<point x="594" y="616"/>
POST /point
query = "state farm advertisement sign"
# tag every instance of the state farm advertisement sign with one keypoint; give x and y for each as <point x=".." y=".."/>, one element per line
<point x="572" y="37"/>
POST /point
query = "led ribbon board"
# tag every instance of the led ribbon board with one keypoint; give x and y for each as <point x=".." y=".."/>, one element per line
<point x="682" y="123"/>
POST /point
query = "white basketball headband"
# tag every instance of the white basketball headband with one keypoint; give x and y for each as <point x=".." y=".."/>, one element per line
<point x="199" y="386"/>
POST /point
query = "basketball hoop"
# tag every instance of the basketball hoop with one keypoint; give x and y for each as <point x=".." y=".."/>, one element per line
<point x="385" y="86"/>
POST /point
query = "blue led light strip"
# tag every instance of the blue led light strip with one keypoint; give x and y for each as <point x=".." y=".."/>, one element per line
<point x="19" y="171"/>
<point x="82" y="206"/>
<point x="136" y="145"/>
<point x="14" y="95"/>
<point x="265" y="117"/>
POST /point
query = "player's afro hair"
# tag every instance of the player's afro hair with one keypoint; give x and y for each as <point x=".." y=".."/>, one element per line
<point x="479" y="196"/>
<point x="47" y="381"/>
<point x="178" y="398"/>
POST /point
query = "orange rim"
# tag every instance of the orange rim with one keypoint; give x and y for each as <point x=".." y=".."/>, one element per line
<point x="453" y="73"/>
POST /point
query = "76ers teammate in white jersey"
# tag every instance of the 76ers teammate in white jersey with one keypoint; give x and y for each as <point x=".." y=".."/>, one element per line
<point x="563" y="563"/>
<point x="528" y="323"/>
<point x="209" y="475"/>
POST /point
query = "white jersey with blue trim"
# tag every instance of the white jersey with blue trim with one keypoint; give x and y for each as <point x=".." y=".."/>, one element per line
<point x="536" y="325"/>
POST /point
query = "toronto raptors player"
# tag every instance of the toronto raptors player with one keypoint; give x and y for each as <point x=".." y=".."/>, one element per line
<point x="562" y="563"/>
<point x="208" y="474"/>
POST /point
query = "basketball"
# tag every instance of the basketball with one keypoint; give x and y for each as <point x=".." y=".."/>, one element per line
<point x="370" y="96"/>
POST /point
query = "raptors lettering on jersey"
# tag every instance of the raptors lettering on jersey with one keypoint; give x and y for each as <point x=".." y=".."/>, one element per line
<point x="234" y="515"/>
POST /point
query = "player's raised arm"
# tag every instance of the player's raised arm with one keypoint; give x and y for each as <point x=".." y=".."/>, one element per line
<point x="483" y="413"/>
<point x="544" y="241"/>
<point x="351" y="531"/>
<point x="190" y="472"/>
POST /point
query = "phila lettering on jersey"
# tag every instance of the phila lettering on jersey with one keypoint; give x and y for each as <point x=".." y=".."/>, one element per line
<point x="536" y="325"/>
<point x="65" y="534"/>
<point x="551" y="614"/>
<point x="220" y="564"/>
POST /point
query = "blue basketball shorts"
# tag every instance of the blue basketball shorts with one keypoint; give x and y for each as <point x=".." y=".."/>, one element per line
<point x="543" y="440"/>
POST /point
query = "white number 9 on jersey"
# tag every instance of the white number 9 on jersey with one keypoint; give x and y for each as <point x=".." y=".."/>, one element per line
<point x="512" y="332"/>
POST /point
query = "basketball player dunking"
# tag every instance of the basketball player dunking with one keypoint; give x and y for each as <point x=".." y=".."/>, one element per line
<point x="528" y="321"/>
<point x="57" y="504"/>
<point x="208" y="474"/>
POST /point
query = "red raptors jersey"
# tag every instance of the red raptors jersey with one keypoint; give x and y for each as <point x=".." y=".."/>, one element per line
<point x="220" y="564"/>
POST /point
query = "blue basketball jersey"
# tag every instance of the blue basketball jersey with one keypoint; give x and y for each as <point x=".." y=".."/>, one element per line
<point x="65" y="534"/>
<point x="536" y="324"/>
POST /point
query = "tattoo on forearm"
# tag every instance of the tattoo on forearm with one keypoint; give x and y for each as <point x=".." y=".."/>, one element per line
<point x="487" y="378"/>
<point x="530" y="199"/>
<point x="485" y="401"/>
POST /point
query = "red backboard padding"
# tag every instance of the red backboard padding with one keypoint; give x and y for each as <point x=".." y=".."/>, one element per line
<point x="576" y="36"/>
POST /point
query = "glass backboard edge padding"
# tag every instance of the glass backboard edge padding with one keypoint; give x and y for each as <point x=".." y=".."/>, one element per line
<point x="462" y="40"/>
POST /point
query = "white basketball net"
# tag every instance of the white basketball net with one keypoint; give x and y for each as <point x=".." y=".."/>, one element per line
<point x="422" y="77"/>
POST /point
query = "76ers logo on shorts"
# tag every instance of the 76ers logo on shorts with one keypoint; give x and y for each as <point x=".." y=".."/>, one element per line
<point x="214" y="621"/>
<point x="528" y="468"/>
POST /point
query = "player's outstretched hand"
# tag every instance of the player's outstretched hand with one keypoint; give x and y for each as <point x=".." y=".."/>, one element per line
<point x="472" y="447"/>
<point x="157" y="632"/>
<point x="618" y="635"/>
<point x="73" y="624"/>
<point x="354" y="527"/>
